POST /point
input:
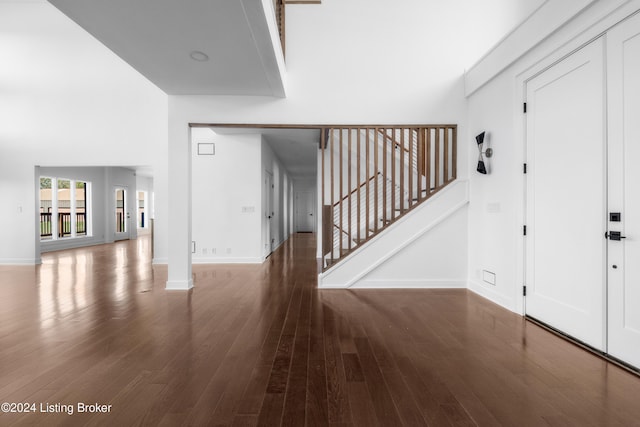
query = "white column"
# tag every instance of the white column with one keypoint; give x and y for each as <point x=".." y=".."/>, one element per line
<point x="179" y="205"/>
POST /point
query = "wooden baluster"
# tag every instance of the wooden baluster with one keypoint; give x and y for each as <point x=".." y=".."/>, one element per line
<point x="341" y="194"/>
<point x="402" y="159"/>
<point x="375" y="186"/>
<point x="445" y="173"/>
<point x="384" y="174"/>
<point x="367" y="201"/>
<point x="454" y="150"/>
<point x="428" y="162"/>
<point x="420" y="163"/>
<point x="436" y="156"/>
<point x="359" y="183"/>
<point x="410" y="174"/>
<point x="349" y="189"/>
<point x="393" y="174"/>
<point x="332" y="153"/>
<point x="323" y="197"/>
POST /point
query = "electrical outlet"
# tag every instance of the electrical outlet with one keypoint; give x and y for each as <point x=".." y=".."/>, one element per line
<point x="228" y="251"/>
<point x="205" y="251"/>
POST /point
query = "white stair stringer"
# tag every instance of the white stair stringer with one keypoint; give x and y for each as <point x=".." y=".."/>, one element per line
<point x="375" y="252"/>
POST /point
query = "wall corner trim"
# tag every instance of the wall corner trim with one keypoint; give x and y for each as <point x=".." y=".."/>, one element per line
<point x="492" y="295"/>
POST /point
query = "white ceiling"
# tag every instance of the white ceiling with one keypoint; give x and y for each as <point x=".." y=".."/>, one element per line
<point x="156" y="37"/>
<point x="296" y="148"/>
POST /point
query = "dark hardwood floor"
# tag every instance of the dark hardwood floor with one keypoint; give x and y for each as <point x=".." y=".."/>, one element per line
<point x="260" y="345"/>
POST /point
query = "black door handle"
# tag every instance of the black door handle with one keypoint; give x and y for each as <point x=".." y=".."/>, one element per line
<point x="614" y="235"/>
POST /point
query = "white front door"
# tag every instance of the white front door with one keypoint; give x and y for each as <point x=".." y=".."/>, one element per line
<point x="623" y="85"/>
<point x="566" y="193"/>
<point x="122" y="214"/>
<point x="305" y="219"/>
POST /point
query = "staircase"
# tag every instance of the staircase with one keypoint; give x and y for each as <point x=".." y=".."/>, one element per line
<point x="373" y="176"/>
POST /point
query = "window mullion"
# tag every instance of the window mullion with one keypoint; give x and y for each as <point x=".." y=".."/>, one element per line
<point x="72" y="206"/>
<point x="54" y="209"/>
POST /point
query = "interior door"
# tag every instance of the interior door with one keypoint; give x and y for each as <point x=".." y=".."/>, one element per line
<point x="623" y="85"/>
<point x="305" y="219"/>
<point x="122" y="214"/>
<point x="566" y="196"/>
<point x="269" y="212"/>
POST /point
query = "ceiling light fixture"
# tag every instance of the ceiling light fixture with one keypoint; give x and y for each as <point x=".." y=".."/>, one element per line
<point x="196" y="55"/>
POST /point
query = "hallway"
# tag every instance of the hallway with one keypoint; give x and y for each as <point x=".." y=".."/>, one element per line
<point x="260" y="345"/>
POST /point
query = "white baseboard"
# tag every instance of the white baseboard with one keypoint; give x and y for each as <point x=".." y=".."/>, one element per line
<point x="487" y="292"/>
<point x="220" y="260"/>
<point x="179" y="285"/>
<point x="402" y="284"/>
<point x="58" y="245"/>
<point x="19" y="261"/>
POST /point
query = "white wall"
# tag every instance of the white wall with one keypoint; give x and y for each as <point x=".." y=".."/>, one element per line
<point x="496" y="211"/>
<point x="430" y="242"/>
<point x="423" y="264"/>
<point x="65" y="99"/>
<point x="376" y="77"/>
<point x="227" y="198"/>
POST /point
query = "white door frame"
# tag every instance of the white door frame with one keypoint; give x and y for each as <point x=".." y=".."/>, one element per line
<point x="126" y="234"/>
<point x="577" y="308"/>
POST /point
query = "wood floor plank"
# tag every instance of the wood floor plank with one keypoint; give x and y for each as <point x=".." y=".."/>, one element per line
<point x="382" y="402"/>
<point x="337" y="394"/>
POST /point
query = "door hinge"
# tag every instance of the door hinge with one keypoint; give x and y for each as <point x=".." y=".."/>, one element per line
<point x="524" y="291"/>
<point x="524" y="107"/>
<point x="524" y="230"/>
<point x="524" y="169"/>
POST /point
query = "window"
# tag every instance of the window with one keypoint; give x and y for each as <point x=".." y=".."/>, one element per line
<point x="64" y="208"/>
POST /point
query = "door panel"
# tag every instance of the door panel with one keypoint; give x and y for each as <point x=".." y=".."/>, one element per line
<point x="623" y="84"/>
<point x="305" y="220"/>
<point x="566" y="196"/>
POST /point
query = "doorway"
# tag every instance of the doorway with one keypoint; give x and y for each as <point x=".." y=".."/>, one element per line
<point x="305" y="202"/>
<point x="122" y="215"/>
<point x="142" y="214"/>
<point x="269" y="213"/>
<point x="582" y="233"/>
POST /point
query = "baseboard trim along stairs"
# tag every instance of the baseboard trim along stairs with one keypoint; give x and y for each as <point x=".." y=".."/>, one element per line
<point x="352" y="271"/>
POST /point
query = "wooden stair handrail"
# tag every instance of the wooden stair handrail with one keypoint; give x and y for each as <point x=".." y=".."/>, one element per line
<point x="395" y="143"/>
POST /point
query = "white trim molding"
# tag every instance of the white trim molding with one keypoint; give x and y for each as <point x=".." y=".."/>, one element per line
<point x="407" y="230"/>
<point x="179" y="285"/>
<point x="543" y="22"/>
